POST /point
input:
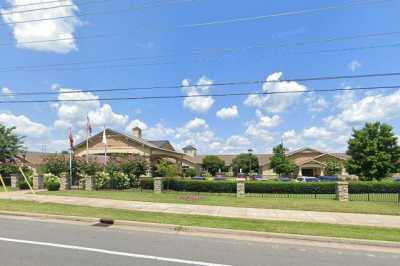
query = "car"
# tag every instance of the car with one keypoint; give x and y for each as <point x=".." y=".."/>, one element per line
<point x="242" y="175"/>
<point x="396" y="178"/>
<point x="257" y="177"/>
<point x="332" y="178"/>
<point x="220" y="177"/>
<point x="284" y="179"/>
<point x="307" y="179"/>
<point x="198" y="178"/>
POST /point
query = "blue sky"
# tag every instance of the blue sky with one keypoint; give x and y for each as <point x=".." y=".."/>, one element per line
<point x="198" y="55"/>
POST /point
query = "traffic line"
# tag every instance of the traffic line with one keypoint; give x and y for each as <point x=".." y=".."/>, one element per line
<point x="109" y="252"/>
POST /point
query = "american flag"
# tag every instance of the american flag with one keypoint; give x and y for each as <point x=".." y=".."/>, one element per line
<point x="70" y="139"/>
<point x="88" y="126"/>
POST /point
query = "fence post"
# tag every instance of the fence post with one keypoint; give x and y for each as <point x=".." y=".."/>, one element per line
<point x="14" y="180"/>
<point x="38" y="182"/>
<point x="342" y="191"/>
<point x="90" y="183"/>
<point x="240" y="187"/>
<point x="64" y="180"/>
<point x="157" y="185"/>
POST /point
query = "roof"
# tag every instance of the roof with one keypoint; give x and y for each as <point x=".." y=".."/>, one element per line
<point x="189" y="147"/>
<point x="132" y="138"/>
<point x="163" y="144"/>
<point x="36" y="158"/>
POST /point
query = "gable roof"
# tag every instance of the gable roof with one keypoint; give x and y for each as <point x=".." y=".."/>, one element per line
<point x="304" y="149"/>
<point x="130" y="138"/>
<point x="161" y="144"/>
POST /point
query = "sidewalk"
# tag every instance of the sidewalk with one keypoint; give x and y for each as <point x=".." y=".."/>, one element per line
<point x="233" y="212"/>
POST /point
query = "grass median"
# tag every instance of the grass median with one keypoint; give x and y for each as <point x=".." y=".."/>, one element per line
<point x="301" y="228"/>
<point x="306" y="204"/>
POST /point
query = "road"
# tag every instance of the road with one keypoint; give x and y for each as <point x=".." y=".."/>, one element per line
<point x="41" y="243"/>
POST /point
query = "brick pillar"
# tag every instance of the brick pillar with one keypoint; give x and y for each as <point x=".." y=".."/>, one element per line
<point x="14" y="180"/>
<point x="38" y="182"/>
<point x="64" y="179"/>
<point x="90" y="183"/>
<point x="157" y="184"/>
<point x="240" y="187"/>
<point x="342" y="191"/>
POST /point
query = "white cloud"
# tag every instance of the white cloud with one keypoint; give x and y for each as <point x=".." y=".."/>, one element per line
<point x="24" y="125"/>
<point x="267" y="121"/>
<point x="202" y="87"/>
<point x="7" y="92"/>
<point x="354" y="65"/>
<point x="316" y="103"/>
<point x="317" y="133"/>
<point x="228" y="112"/>
<point x="45" y="29"/>
<point x="278" y="102"/>
<point x="73" y="114"/>
<point x="159" y="131"/>
<point x="136" y="123"/>
<point x="196" y="123"/>
<point x="291" y="139"/>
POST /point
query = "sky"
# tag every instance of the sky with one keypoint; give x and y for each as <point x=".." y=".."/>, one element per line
<point x="197" y="44"/>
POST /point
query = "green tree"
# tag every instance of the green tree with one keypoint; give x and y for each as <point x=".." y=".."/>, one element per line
<point x="56" y="165"/>
<point x="132" y="165"/>
<point x="280" y="163"/>
<point x="213" y="164"/>
<point x="245" y="161"/>
<point x="165" y="168"/>
<point x="10" y="144"/>
<point x="374" y="152"/>
<point x="333" y="167"/>
<point x="190" y="172"/>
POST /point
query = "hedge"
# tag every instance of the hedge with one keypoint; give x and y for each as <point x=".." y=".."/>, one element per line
<point x="272" y="187"/>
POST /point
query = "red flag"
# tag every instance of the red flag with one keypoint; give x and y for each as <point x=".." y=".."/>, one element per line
<point x="88" y="126"/>
<point x="71" y="139"/>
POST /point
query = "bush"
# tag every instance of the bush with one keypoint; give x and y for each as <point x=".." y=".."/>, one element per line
<point x="290" y="187"/>
<point x="52" y="182"/>
<point x="190" y="172"/>
<point x="374" y="187"/>
<point x="116" y="180"/>
<point x="23" y="185"/>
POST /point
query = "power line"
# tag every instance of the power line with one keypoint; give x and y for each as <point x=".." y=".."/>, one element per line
<point x="200" y="95"/>
<point x="51" y="7"/>
<point x="58" y="67"/>
<point x="100" y="13"/>
<point x="228" y="83"/>
<point x="36" y="3"/>
<point x="282" y="14"/>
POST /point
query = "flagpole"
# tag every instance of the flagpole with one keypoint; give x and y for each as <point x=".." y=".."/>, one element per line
<point x="70" y="168"/>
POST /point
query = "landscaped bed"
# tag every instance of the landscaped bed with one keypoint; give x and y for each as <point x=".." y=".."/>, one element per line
<point x="309" y="204"/>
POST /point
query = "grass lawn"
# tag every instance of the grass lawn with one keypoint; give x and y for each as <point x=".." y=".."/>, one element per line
<point x="8" y="189"/>
<point x="317" y="229"/>
<point x="329" y="205"/>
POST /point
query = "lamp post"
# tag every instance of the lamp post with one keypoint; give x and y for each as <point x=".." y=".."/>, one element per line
<point x="250" y="151"/>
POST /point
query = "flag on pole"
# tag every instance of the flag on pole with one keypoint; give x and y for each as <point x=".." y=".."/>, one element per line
<point x="88" y="126"/>
<point x="70" y="139"/>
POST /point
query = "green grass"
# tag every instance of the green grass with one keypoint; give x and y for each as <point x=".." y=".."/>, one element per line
<point x="316" y="229"/>
<point x="8" y="189"/>
<point x="309" y="204"/>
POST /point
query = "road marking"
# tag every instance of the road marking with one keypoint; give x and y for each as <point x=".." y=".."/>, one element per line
<point x="110" y="252"/>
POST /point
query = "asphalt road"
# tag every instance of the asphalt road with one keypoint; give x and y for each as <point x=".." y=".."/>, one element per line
<point x="41" y="243"/>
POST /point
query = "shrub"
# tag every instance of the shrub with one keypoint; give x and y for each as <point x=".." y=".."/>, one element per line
<point x="374" y="187"/>
<point x="23" y="185"/>
<point x="116" y="180"/>
<point x="190" y="172"/>
<point x="52" y="182"/>
<point x="290" y="188"/>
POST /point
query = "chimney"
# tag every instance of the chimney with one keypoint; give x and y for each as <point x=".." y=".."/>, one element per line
<point x="137" y="132"/>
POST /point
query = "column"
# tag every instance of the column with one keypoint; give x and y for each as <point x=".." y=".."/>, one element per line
<point x="38" y="182"/>
<point x="14" y="180"/>
<point x="157" y="184"/>
<point x="240" y="187"/>
<point x="342" y="191"/>
<point x="90" y="183"/>
<point x="64" y="179"/>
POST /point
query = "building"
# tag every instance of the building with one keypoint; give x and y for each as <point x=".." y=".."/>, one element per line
<point x="311" y="162"/>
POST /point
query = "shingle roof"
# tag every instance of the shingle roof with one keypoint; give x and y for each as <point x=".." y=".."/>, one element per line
<point x="189" y="147"/>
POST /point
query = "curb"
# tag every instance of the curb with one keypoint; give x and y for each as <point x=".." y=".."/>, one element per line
<point x="170" y="228"/>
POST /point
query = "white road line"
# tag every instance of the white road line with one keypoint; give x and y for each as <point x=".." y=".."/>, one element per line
<point x="109" y="252"/>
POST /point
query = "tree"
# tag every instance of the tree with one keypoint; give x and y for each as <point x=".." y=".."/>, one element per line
<point x="165" y="168"/>
<point x="57" y="164"/>
<point x="132" y="165"/>
<point x="374" y="152"/>
<point x="190" y="172"/>
<point x="213" y="164"/>
<point x="10" y="144"/>
<point x="280" y="163"/>
<point x="245" y="161"/>
<point x="333" y="167"/>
